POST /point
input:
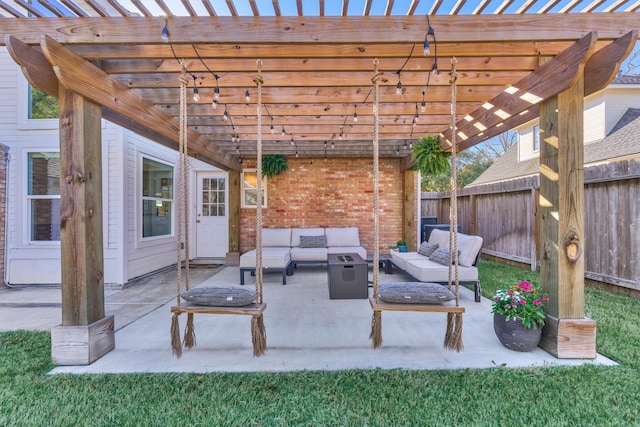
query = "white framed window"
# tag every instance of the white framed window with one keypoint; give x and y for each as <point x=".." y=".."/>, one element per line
<point x="250" y="189"/>
<point x="36" y="110"/>
<point x="157" y="198"/>
<point x="536" y="138"/>
<point x="43" y="196"/>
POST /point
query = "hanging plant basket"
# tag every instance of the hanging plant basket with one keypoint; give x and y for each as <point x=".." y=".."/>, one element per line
<point x="274" y="164"/>
<point x="429" y="158"/>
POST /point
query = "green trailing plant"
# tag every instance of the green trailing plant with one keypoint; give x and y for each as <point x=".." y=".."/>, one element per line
<point x="429" y="158"/>
<point x="274" y="164"/>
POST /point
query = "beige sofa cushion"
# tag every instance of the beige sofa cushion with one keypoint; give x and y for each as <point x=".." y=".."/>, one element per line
<point x="469" y="246"/>
<point x="272" y="257"/>
<point x="428" y="271"/>
<point x="400" y="259"/>
<point x="346" y="236"/>
<point x="276" y="237"/>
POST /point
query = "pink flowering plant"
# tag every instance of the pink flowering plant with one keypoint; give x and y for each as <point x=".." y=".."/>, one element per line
<point x="522" y="301"/>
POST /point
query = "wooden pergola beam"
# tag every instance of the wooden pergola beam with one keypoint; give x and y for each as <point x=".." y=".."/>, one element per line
<point x="39" y="73"/>
<point x="82" y="77"/>
<point x="552" y="77"/>
<point x="317" y="30"/>
<point x="599" y="71"/>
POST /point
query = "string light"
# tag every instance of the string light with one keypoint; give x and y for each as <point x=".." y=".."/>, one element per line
<point x="247" y="97"/>
<point x="165" y="32"/>
<point x="196" y="94"/>
<point x="423" y="106"/>
<point x="355" y="113"/>
<point x="293" y="143"/>
<point x="225" y="115"/>
<point x="271" y="128"/>
<point x="430" y="32"/>
<point x="399" y="85"/>
<point x="283" y="131"/>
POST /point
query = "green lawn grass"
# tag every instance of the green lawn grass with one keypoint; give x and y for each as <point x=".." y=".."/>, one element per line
<point x="551" y="396"/>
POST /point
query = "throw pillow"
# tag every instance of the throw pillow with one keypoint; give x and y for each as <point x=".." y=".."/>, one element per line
<point x="415" y="293"/>
<point x="427" y="248"/>
<point x="313" y="241"/>
<point x="440" y="255"/>
<point x="219" y="296"/>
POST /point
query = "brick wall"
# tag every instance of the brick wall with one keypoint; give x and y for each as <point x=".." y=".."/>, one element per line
<point x="333" y="193"/>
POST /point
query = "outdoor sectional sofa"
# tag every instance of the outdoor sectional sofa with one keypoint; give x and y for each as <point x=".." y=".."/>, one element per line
<point x="284" y="248"/>
<point x="434" y="267"/>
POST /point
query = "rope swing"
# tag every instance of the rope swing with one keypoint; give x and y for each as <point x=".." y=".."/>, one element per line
<point x="215" y="299"/>
<point x="453" y="334"/>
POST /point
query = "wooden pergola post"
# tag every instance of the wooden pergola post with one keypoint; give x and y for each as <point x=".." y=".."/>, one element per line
<point x="86" y="334"/>
<point x="567" y="334"/>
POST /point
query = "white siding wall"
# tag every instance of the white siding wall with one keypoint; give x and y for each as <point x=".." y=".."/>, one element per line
<point x="39" y="263"/>
<point x="145" y="255"/>
<point x="594" y="126"/>
<point x="618" y="100"/>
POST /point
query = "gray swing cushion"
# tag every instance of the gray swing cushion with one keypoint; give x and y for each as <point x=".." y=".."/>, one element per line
<point x="415" y="293"/>
<point x="220" y="296"/>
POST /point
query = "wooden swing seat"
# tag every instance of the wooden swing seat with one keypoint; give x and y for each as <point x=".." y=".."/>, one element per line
<point x="430" y="308"/>
<point x="252" y="310"/>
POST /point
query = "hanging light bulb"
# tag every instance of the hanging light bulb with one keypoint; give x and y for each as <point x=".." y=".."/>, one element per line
<point x="399" y="86"/>
<point x="237" y="149"/>
<point x="271" y="128"/>
<point x="292" y="143"/>
<point x="311" y="162"/>
<point x="165" y="32"/>
<point x="214" y="104"/>
<point x="296" y="152"/>
<point x="216" y="94"/>
<point x="332" y="145"/>
<point x="247" y="97"/>
<point x="283" y="131"/>
<point x="423" y="107"/>
<point x="225" y="115"/>
<point x="196" y="94"/>
<point x="355" y="113"/>
<point x="430" y="32"/>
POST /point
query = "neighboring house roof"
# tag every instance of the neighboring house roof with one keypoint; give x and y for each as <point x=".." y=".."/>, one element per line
<point x="622" y="141"/>
<point x="631" y="79"/>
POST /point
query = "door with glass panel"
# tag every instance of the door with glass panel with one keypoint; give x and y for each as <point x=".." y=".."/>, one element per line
<point x="212" y="226"/>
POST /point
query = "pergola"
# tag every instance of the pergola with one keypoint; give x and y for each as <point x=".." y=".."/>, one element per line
<point x="516" y="60"/>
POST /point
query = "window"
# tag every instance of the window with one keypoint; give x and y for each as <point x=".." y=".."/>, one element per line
<point x="250" y="189"/>
<point x="157" y="198"/>
<point x="41" y="105"/>
<point x="213" y="194"/>
<point x="536" y="138"/>
<point x="43" y="196"/>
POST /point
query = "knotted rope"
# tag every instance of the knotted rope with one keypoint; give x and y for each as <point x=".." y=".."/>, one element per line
<point x="182" y="222"/>
<point x="258" y="333"/>
<point x="376" y="321"/>
<point x="453" y="336"/>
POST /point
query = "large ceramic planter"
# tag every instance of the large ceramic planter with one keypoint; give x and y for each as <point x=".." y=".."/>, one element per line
<point x="513" y="335"/>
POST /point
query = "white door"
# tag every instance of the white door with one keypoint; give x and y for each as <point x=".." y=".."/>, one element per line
<point x="212" y="226"/>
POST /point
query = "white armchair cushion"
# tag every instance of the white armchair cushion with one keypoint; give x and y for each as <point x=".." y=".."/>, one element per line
<point x="347" y="236"/>
<point x="276" y="237"/>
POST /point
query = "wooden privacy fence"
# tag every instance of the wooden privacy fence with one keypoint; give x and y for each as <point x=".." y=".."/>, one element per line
<point x="505" y="215"/>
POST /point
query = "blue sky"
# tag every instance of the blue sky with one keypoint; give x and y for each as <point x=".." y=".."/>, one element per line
<point x="356" y="7"/>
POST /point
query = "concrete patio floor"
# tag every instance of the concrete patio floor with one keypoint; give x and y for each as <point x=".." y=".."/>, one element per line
<point x="306" y="330"/>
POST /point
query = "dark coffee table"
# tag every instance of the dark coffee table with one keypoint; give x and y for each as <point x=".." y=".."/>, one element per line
<point x="384" y="260"/>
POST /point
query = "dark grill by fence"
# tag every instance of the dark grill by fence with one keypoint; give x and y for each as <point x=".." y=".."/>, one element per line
<point x="505" y="215"/>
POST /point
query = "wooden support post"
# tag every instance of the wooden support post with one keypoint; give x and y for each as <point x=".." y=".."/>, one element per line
<point x="567" y="334"/>
<point x="85" y="334"/>
<point x="233" y="186"/>
<point x="411" y="199"/>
